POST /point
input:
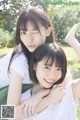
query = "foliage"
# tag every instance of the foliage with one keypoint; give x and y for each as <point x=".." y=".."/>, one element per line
<point x="63" y="17"/>
<point x="6" y="38"/>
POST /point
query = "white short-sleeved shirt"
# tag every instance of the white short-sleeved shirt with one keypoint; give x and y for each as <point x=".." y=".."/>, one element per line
<point x="19" y="64"/>
<point x="64" y="109"/>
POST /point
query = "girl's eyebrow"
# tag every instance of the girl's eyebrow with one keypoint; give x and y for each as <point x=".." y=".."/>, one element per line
<point x="34" y="29"/>
<point x="23" y="29"/>
<point x="47" y="64"/>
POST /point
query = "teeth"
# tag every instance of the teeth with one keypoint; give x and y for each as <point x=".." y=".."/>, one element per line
<point x="49" y="81"/>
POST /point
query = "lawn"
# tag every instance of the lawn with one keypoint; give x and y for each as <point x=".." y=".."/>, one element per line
<point x="73" y="64"/>
<point x="73" y="61"/>
<point x="4" y="51"/>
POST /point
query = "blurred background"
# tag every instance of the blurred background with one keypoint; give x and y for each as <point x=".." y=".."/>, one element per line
<point x="63" y="15"/>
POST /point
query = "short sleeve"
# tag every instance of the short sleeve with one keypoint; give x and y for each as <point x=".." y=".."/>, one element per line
<point x="20" y="65"/>
<point x="70" y="94"/>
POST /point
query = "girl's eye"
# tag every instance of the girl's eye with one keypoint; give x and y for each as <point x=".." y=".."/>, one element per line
<point x="59" y="68"/>
<point x="22" y="32"/>
<point x="47" y="67"/>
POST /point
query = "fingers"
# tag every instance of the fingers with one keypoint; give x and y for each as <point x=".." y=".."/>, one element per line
<point x="54" y="86"/>
<point x="24" y="109"/>
<point x="60" y="85"/>
<point x="27" y="110"/>
<point x="33" y="110"/>
<point x="61" y="89"/>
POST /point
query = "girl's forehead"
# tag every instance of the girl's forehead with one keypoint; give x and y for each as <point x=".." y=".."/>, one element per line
<point x="31" y="25"/>
<point x="51" y="61"/>
<point x="45" y="60"/>
<point x="27" y="25"/>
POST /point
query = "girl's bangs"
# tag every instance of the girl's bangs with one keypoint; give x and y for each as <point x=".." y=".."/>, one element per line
<point x="51" y="59"/>
<point x="29" y="18"/>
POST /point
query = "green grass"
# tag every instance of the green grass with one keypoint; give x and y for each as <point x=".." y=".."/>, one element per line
<point x="73" y="64"/>
<point x="4" y="51"/>
<point x="78" y="112"/>
<point x="73" y="61"/>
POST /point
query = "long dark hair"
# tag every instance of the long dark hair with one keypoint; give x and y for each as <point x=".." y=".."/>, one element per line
<point x="35" y="16"/>
<point x="50" y="52"/>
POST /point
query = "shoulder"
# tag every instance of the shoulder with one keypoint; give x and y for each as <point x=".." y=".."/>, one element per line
<point x="73" y="87"/>
<point x="19" y="64"/>
<point x="19" y="59"/>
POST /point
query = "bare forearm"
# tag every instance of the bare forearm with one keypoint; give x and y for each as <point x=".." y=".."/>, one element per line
<point x="73" y="42"/>
<point x="45" y="102"/>
<point x="76" y="47"/>
<point x="56" y="94"/>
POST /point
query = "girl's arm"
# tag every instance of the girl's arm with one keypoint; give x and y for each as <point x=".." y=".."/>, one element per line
<point x="76" y="89"/>
<point x="27" y="107"/>
<point x="56" y="94"/>
<point x="15" y="87"/>
<point x="14" y="92"/>
<point x="38" y="102"/>
<point x="71" y="39"/>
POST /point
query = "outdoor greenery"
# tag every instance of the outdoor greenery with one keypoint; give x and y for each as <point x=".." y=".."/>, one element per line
<point x="73" y="61"/>
<point x="63" y="17"/>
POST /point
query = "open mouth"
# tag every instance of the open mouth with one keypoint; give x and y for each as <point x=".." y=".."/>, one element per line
<point x="48" y="81"/>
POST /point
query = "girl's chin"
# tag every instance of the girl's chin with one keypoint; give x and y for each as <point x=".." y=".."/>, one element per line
<point x="47" y="86"/>
<point x="31" y="49"/>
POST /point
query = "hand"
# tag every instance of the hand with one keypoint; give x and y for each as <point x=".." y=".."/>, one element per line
<point x="29" y="105"/>
<point x="56" y="93"/>
<point x="70" y="38"/>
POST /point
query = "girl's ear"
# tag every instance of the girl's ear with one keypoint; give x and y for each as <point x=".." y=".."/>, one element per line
<point x="48" y="31"/>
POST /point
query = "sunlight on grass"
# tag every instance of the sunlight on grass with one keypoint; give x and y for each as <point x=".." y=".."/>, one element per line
<point x="73" y="60"/>
<point x="78" y="112"/>
<point x="4" y="51"/>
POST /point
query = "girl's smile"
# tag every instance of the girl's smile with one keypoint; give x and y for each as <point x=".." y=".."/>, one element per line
<point x="47" y="75"/>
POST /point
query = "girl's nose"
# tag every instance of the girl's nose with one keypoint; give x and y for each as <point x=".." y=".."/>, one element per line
<point x="29" y="37"/>
<point x="52" y="75"/>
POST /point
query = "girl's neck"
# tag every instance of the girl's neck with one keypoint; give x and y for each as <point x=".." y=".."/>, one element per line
<point x="36" y="88"/>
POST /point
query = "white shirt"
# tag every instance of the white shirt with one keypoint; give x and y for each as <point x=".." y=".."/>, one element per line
<point x="64" y="109"/>
<point x="19" y="64"/>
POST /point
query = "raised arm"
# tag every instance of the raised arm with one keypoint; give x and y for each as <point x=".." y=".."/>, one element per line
<point x="71" y="39"/>
<point x="76" y="88"/>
